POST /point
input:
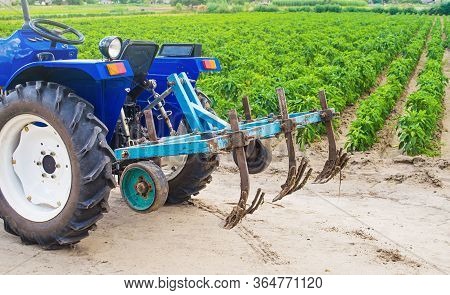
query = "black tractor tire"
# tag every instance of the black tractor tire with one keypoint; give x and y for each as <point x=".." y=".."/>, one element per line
<point x="90" y="157"/>
<point x="194" y="177"/>
<point x="196" y="173"/>
<point x="258" y="159"/>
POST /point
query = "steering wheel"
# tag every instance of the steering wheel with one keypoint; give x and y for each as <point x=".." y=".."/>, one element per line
<point x="55" y="31"/>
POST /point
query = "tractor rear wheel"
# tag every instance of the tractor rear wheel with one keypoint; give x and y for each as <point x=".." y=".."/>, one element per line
<point x="188" y="175"/>
<point x="55" y="165"/>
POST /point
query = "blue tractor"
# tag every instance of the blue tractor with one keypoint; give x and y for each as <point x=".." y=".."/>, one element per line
<point x="71" y="129"/>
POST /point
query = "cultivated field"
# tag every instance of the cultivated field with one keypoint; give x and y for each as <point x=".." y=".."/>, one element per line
<point x="387" y="75"/>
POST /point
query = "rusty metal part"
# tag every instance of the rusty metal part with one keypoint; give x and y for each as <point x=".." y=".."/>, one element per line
<point x="240" y="210"/>
<point x="296" y="178"/>
<point x="248" y="118"/>
<point x="257" y="202"/>
<point x="151" y="131"/>
<point x="247" y="109"/>
<point x="336" y="159"/>
<point x="166" y="118"/>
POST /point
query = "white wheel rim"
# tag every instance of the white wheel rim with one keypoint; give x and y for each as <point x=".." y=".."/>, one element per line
<point x="172" y="166"/>
<point x="36" y="175"/>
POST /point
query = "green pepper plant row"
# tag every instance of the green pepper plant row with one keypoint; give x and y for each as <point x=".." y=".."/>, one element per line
<point x="418" y="127"/>
<point x="374" y="110"/>
<point x="342" y="53"/>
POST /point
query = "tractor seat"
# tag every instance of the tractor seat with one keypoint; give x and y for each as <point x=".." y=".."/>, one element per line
<point x="140" y="55"/>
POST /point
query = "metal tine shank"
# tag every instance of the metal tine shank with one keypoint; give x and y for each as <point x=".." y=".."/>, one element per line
<point x="336" y="159"/>
<point x="294" y="180"/>
<point x="239" y="211"/>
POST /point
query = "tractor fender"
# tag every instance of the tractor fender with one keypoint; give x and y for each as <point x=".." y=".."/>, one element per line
<point x="88" y="79"/>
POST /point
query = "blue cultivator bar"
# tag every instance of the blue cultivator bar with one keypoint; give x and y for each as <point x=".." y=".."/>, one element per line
<point x="214" y="141"/>
<point x="212" y="135"/>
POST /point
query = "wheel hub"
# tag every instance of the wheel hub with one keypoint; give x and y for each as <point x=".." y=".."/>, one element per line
<point x="37" y="179"/>
<point x="49" y="164"/>
<point x="143" y="187"/>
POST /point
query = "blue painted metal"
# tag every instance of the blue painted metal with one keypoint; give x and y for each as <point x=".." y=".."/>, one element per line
<point x="198" y="119"/>
<point x="160" y="70"/>
<point x="87" y="78"/>
<point x="214" y="141"/>
<point x="21" y="49"/>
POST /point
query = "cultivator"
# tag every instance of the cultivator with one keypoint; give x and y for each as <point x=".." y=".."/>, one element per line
<point x="213" y="135"/>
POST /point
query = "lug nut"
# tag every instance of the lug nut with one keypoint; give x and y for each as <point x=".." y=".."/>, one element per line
<point x="44" y="175"/>
<point x="29" y="198"/>
<point x="39" y="163"/>
<point x="43" y="153"/>
<point x="58" y="166"/>
<point x="53" y="176"/>
<point x="52" y="154"/>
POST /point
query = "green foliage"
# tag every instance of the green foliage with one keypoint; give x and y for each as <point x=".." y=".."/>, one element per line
<point x="302" y="52"/>
<point x="328" y="8"/>
<point x="265" y="8"/>
<point x="74" y="2"/>
<point x="441" y="9"/>
<point x="374" y="110"/>
<point x="187" y="2"/>
<point x="417" y="128"/>
<point x="319" y="2"/>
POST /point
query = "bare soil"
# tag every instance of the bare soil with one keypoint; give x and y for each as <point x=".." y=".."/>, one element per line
<point x="390" y="217"/>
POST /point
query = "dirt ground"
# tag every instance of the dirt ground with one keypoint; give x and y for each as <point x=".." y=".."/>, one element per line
<point x="390" y="215"/>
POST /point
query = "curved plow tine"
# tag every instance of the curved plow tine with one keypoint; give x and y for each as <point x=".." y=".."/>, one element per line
<point x="241" y="210"/>
<point x="333" y="167"/>
<point x="257" y="202"/>
<point x="336" y="159"/>
<point x="294" y="180"/>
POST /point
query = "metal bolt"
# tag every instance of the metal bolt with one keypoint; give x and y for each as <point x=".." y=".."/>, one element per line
<point x="44" y="175"/>
<point x="39" y="163"/>
<point x="13" y="161"/>
<point x="42" y="152"/>
<point x="58" y="166"/>
<point x="26" y="129"/>
<point x="52" y="154"/>
<point x="29" y="198"/>
<point x="58" y="203"/>
<point x="53" y="176"/>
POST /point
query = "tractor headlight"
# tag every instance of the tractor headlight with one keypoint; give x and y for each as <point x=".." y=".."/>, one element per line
<point x="110" y="47"/>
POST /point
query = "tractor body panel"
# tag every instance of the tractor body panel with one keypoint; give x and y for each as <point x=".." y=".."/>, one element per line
<point x="160" y="70"/>
<point x="88" y="79"/>
<point x="23" y="47"/>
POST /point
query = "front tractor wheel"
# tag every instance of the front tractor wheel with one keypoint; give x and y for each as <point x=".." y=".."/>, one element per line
<point x="55" y="165"/>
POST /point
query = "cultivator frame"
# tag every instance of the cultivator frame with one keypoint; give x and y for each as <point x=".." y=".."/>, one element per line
<point x="210" y="134"/>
